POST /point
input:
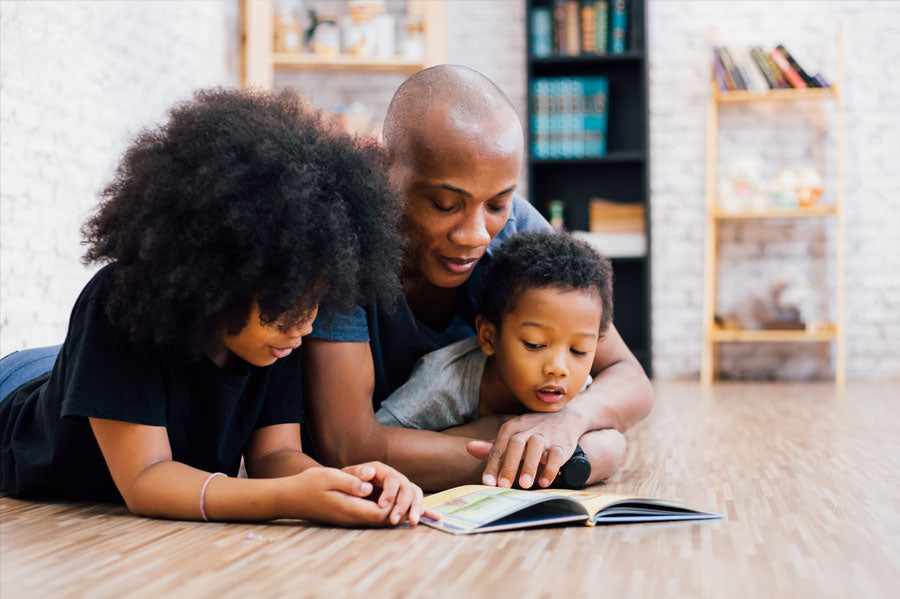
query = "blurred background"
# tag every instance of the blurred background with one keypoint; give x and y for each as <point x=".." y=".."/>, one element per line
<point x="754" y="224"/>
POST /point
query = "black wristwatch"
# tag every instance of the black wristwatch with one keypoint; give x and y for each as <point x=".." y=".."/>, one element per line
<point x="576" y="471"/>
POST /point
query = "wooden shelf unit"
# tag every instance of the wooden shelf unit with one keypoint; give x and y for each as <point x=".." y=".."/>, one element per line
<point x="260" y="61"/>
<point x="620" y="175"/>
<point x="714" y="334"/>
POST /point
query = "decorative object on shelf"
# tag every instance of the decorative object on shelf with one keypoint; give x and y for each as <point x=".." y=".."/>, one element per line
<point x="359" y="40"/>
<point x="557" y="210"/>
<point x="747" y="194"/>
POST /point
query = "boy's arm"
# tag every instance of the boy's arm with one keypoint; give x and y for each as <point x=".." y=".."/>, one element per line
<point x="140" y="461"/>
<point x="338" y="380"/>
<point x="620" y="397"/>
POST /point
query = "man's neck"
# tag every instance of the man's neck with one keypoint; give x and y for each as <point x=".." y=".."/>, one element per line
<point x="431" y="304"/>
<point x="495" y="397"/>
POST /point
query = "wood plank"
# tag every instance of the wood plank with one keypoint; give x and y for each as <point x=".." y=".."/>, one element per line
<point x="784" y="95"/>
<point x="345" y="62"/>
<point x="806" y="475"/>
<point x="809" y="211"/>
<point x="771" y="336"/>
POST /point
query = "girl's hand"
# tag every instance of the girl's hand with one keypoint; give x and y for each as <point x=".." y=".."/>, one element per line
<point x="333" y="496"/>
<point x="397" y="493"/>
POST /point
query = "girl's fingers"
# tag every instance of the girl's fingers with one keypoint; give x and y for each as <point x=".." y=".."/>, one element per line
<point x="349" y="484"/>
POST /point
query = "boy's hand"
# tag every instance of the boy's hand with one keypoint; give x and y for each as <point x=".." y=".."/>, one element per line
<point x="397" y="494"/>
<point x="528" y="441"/>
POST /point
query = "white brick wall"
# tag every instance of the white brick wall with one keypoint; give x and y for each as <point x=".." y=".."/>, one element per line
<point x="79" y="78"/>
<point x="77" y="81"/>
<point x="755" y="254"/>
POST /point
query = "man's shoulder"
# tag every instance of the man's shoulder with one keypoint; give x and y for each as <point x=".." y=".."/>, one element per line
<point x="522" y="217"/>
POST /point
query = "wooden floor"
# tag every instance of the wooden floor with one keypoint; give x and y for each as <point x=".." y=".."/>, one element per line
<point x="808" y="479"/>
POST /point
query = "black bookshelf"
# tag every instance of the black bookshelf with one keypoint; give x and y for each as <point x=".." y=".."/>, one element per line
<point x="621" y="175"/>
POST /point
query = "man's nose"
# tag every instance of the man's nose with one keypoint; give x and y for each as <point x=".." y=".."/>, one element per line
<point x="472" y="231"/>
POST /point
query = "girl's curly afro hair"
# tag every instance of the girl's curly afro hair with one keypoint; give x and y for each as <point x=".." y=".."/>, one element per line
<point x="535" y="260"/>
<point x="242" y="196"/>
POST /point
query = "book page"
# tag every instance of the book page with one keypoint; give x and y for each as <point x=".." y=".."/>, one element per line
<point x="593" y="502"/>
<point x="472" y="506"/>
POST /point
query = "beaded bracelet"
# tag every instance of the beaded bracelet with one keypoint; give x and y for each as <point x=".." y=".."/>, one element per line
<point x="203" y="493"/>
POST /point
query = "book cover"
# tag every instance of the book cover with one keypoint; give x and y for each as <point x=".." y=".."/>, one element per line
<point x="811" y="67"/>
<point x="776" y="71"/>
<point x="475" y="508"/>
<point x="730" y="83"/>
<point x="602" y="12"/>
<point x="731" y="68"/>
<point x="540" y="119"/>
<point x="541" y="32"/>
<point x="577" y="116"/>
<point x="792" y="76"/>
<point x="810" y="82"/>
<point x="763" y="65"/>
<point x="596" y="111"/>
<point x="719" y="73"/>
<point x="559" y="27"/>
<point x="588" y="27"/>
<point x="555" y="119"/>
<point x="618" y="27"/>
<point x="754" y="79"/>
<point x="573" y="29"/>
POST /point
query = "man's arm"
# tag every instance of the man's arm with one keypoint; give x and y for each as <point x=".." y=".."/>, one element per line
<point x="620" y="397"/>
<point x="338" y="380"/>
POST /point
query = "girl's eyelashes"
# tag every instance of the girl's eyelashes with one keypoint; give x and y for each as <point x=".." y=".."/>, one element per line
<point x="498" y="209"/>
<point x="578" y="353"/>
<point x="532" y="345"/>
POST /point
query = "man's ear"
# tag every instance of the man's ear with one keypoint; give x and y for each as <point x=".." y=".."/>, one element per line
<point x="487" y="334"/>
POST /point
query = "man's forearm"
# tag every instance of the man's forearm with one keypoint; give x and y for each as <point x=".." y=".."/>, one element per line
<point x="619" y="397"/>
<point x="432" y="460"/>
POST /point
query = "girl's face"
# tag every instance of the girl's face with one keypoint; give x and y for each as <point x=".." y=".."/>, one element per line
<point x="457" y="182"/>
<point x="261" y="344"/>
<point x="545" y="347"/>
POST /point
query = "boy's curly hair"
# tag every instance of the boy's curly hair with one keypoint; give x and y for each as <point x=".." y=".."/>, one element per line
<point x="242" y="196"/>
<point x="534" y="260"/>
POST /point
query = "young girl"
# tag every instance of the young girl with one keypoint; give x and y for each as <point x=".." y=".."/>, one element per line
<point x="223" y="231"/>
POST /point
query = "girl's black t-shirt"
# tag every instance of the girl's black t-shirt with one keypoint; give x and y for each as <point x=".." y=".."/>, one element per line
<point x="47" y="448"/>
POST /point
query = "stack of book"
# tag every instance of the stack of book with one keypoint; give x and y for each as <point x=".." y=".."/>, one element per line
<point x="754" y="69"/>
<point x="617" y="229"/>
<point x="569" y="117"/>
<point x="576" y="27"/>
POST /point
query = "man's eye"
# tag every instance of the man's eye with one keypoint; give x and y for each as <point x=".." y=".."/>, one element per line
<point x="578" y="353"/>
<point x="498" y="209"/>
<point x="532" y="345"/>
<point x="442" y="208"/>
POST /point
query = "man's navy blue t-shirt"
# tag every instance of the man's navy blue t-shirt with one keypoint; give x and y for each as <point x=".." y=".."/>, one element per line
<point x="398" y="339"/>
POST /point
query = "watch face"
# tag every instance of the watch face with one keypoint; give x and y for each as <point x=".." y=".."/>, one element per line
<point x="578" y="469"/>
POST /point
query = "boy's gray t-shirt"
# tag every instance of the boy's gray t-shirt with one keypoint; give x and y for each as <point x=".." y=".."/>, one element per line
<point x="443" y="389"/>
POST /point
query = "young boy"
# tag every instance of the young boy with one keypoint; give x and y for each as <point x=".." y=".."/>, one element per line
<point x="546" y="300"/>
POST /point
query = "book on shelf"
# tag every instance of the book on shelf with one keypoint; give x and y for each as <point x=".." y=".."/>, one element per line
<point x="754" y="69"/>
<point x="793" y="76"/>
<point x="541" y="32"/>
<point x="475" y="509"/>
<point x="569" y="116"/>
<point x="579" y="27"/>
<point x="618" y="27"/>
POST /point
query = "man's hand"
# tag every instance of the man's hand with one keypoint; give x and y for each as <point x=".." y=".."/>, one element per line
<point x="528" y="441"/>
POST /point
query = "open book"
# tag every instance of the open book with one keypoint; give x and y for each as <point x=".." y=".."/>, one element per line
<point x="475" y="508"/>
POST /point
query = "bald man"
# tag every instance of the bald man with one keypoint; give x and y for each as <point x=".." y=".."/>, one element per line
<point x="454" y="146"/>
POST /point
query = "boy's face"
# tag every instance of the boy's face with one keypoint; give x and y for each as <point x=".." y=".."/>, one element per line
<point x="457" y="180"/>
<point x="544" y="348"/>
<point x="262" y="344"/>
